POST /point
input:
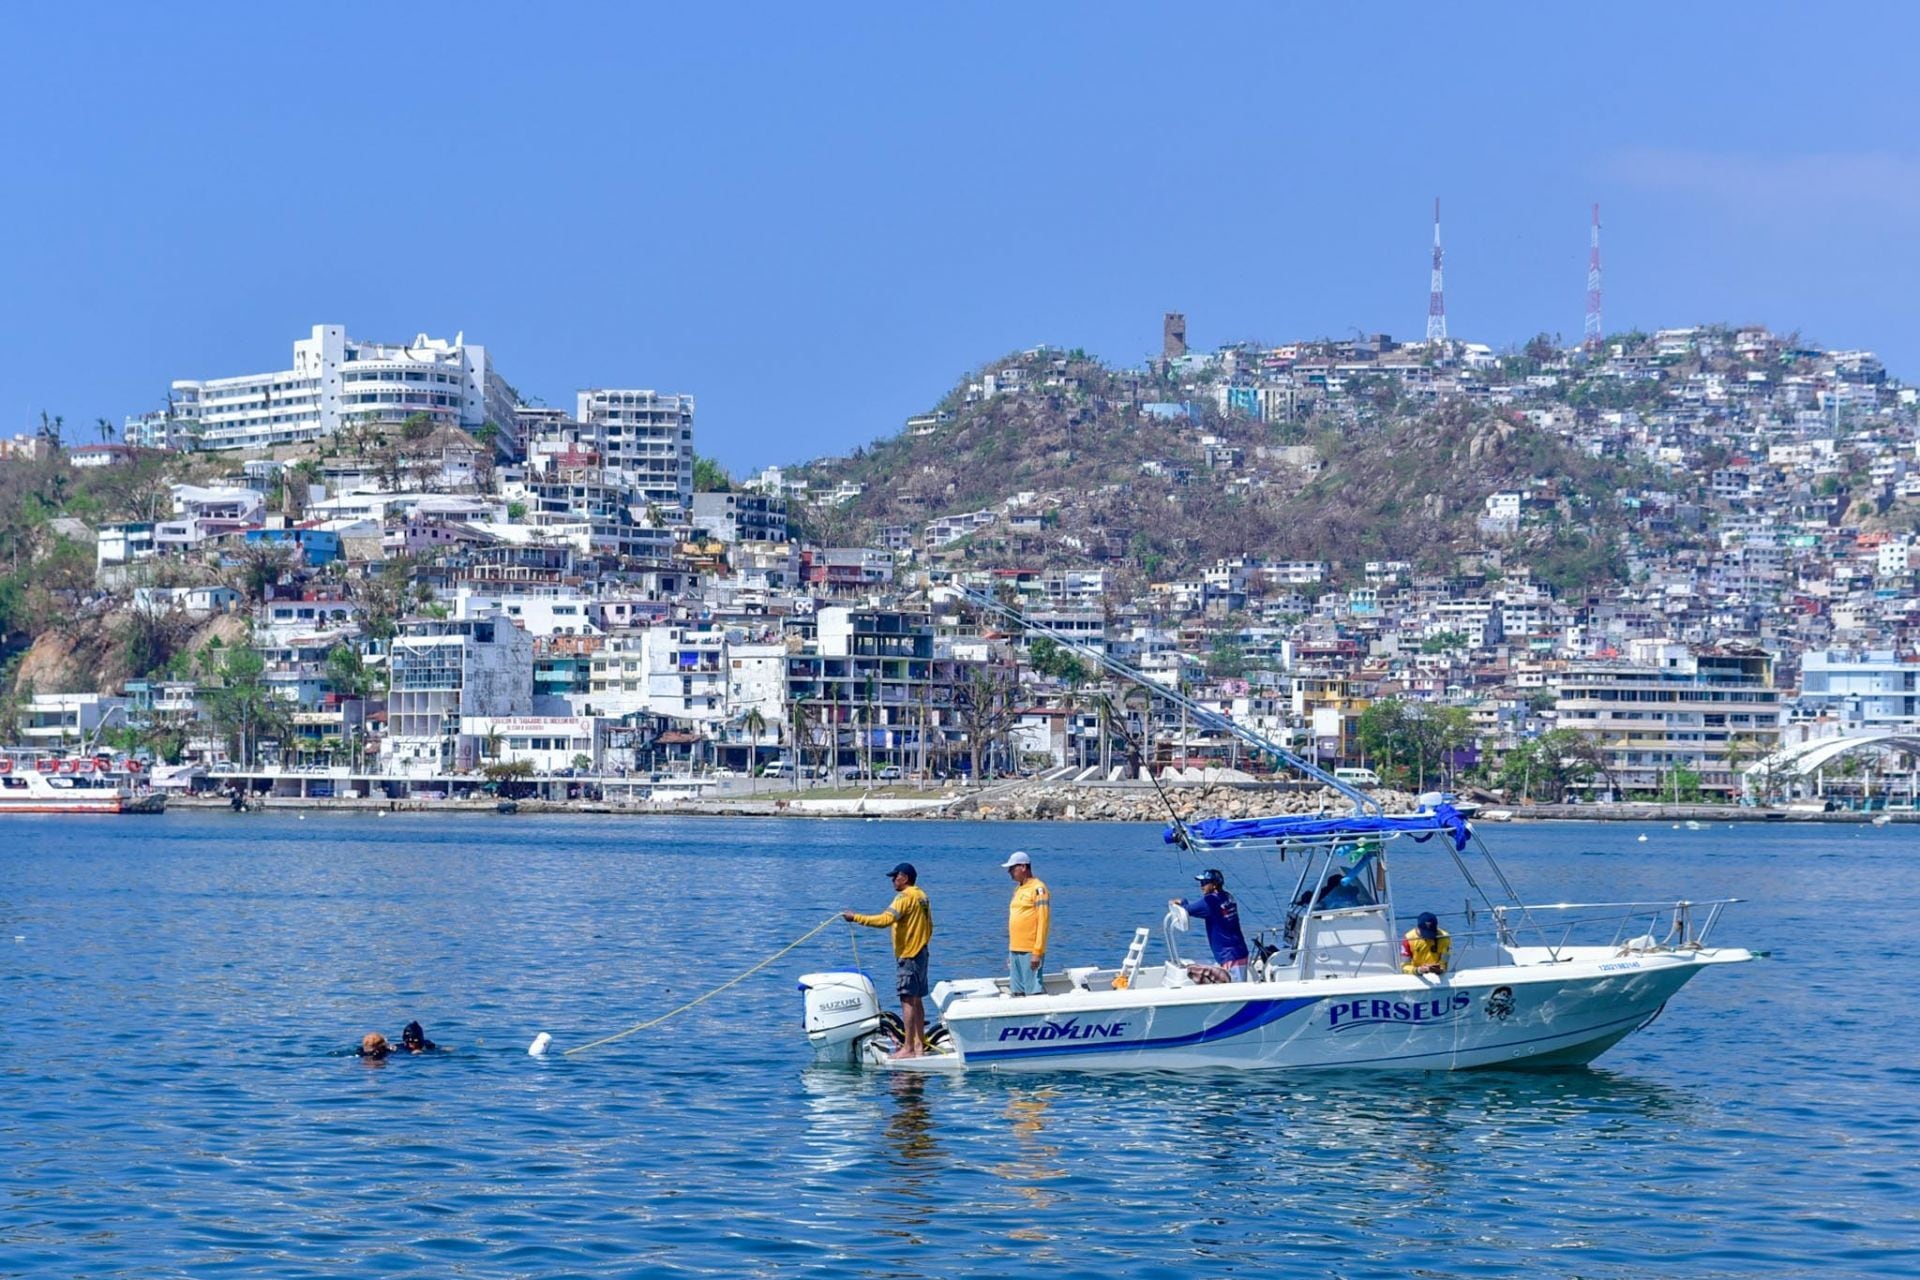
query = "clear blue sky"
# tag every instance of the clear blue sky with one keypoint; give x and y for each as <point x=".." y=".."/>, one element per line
<point x="817" y="218"/>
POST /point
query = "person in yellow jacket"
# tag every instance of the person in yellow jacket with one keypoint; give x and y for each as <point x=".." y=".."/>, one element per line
<point x="1029" y="917"/>
<point x="1426" y="948"/>
<point x="911" y="918"/>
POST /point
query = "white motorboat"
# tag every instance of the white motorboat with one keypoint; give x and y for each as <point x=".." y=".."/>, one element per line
<point x="82" y="784"/>
<point x="1525" y="986"/>
<point x="1328" y="990"/>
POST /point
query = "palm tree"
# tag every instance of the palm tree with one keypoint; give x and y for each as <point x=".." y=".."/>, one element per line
<point x="1140" y="748"/>
<point x="802" y="727"/>
<point x="1104" y="709"/>
<point x="106" y="430"/>
<point x="866" y="729"/>
<point x="754" y="724"/>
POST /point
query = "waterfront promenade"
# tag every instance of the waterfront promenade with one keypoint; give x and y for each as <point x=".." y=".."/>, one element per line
<point x="1022" y="800"/>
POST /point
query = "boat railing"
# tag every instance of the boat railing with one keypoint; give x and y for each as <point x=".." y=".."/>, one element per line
<point x="1636" y="928"/>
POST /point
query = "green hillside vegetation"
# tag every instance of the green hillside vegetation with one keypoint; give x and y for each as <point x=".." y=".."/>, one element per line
<point x="1407" y="482"/>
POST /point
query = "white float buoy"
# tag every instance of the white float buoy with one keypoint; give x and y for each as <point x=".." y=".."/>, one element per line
<point x="538" y="1049"/>
<point x="1643" y="839"/>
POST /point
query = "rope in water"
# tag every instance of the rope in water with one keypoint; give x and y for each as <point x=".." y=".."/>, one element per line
<point x="737" y="978"/>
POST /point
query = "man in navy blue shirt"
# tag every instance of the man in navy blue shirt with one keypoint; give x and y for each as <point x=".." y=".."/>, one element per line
<point x="1222" y="914"/>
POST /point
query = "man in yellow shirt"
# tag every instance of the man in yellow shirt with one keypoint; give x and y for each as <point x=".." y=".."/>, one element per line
<point x="911" y="917"/>
<point x="1029" y="917"/>
<point x="1427" y="947"/>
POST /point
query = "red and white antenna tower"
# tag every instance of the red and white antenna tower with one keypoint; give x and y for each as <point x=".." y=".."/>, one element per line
<point x="1436" y="297"/>
<point x="1593" y="334"/>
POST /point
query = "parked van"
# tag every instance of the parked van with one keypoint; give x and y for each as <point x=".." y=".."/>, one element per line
<point x="1358" y="777"/>
<point x="778" y="769"/>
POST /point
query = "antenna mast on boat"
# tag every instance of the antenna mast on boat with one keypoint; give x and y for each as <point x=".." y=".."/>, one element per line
<point x="1362" y="802"/>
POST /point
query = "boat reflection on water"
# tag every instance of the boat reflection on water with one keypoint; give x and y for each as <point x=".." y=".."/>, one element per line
<point x="1361" y="1146"/>
<point x="1034" y="1157"/>
<point x="911" y="1139"/>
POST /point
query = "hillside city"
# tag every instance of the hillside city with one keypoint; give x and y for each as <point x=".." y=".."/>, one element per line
<point x="1637" y="568"/>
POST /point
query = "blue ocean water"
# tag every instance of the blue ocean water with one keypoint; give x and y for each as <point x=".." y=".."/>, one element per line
<point x="179" y="998"/>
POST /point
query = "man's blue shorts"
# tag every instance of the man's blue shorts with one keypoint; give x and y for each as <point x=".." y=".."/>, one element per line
<point x="910" y="974"/>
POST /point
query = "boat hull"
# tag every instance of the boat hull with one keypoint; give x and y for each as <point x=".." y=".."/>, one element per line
<point x="106" y="803"/>
<point x="1508" y="1016"/>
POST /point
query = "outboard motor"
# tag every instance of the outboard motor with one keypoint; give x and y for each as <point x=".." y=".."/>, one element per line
<point x="841" y="1009"/>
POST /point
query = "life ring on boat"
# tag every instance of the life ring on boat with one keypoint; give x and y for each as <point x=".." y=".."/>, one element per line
<point x="102" y="765"/>
<point x="6" y="764"/>
<point x="134" y="766"/>
<point x="47" y="764"/>
<point x="83" y="765"/>
<point x="65" y="766"/>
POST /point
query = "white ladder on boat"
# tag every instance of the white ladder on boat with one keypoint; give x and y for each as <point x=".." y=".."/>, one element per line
<point x="1136" y="952"/>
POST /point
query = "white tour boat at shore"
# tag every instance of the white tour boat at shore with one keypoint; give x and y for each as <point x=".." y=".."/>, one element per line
<point x="82" y="784"/>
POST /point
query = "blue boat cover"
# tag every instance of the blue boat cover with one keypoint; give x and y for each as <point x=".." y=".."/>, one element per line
<point x="1441" y="818"/>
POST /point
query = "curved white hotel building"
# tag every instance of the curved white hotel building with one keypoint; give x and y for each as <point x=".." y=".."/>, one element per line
<point x="335" y="381"/>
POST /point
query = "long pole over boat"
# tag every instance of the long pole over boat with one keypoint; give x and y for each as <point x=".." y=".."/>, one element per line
<point x="1362" y="802"/>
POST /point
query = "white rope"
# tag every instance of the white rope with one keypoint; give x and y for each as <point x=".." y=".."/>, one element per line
<point x="739" y="977"/>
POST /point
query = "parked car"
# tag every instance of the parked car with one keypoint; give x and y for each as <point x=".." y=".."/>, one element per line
<point x="890" y="773"/>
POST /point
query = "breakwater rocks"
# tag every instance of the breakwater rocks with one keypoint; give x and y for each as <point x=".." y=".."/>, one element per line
<point x="1143" y="804"/>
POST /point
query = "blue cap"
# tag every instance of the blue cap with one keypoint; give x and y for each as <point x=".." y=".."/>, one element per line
<point x="904" y="869"/>
<point x="1428" y="924"/>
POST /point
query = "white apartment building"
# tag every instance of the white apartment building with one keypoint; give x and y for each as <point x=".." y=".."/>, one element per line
<point x="1084" y="627"/>
<point x="741" y="517"/>
<point x="1870" y="690"/>
<point x="706" y="677"/>
<point x="444" y="670"/>
<point x="548" y="743"/>
<point x="334" y="381"/>
<point x="538" y="610"/>
<point x="1671" y="706"/>
<point x="1074" y="587"/>
<point x="120" y="544"/>
<point x="644" y="436"/>
<point x="66" y="720"/>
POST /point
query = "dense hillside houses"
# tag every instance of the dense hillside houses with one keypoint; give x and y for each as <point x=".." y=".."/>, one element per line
<point x="1631" y="570"/>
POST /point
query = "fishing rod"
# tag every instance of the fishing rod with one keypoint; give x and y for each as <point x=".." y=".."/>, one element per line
<point x="1362" y="802"/>
<point x="1119" y="722"/>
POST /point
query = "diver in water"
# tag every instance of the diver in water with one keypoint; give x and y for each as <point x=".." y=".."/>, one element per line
<point x="414" y="1040"/>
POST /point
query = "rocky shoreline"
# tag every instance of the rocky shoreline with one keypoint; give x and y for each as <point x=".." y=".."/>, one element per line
<point x="1045" y="802"/>
<point x="1143" y="804"/>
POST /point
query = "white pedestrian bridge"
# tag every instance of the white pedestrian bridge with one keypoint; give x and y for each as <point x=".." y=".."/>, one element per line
<point x="1804" y="759"/>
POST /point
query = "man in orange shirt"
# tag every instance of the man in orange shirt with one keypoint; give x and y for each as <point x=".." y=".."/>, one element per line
<point x="1029" y="917"/>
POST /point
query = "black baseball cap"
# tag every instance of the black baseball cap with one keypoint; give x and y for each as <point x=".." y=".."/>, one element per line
<point x="1428" y="924"/>
<point x="1212" y="876"/>
<point x="904" y="869"/>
